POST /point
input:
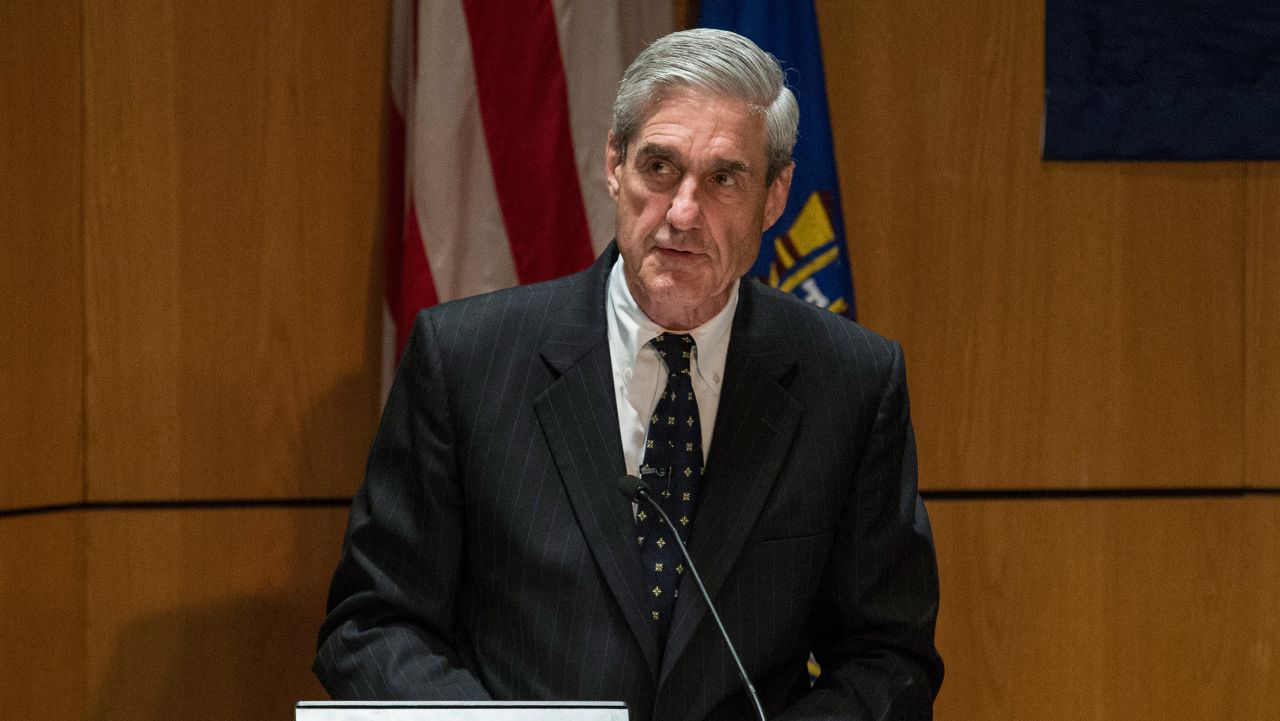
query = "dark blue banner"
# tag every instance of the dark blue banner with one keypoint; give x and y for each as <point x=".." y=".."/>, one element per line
<point x="1162" y="79"/>
<point x="805" y="252"/>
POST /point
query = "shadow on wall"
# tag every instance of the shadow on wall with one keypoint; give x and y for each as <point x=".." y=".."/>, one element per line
<point x="245" y="660"/>
<point x="222" y="625"/>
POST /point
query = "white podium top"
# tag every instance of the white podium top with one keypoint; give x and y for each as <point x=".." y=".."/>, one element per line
<point x="460" y="711"/>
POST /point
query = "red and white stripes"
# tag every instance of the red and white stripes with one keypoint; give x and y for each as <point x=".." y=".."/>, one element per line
<point x="496" y="142"/>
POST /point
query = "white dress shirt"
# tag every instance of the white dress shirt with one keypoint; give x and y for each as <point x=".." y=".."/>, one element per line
<point x="639" y="375"/>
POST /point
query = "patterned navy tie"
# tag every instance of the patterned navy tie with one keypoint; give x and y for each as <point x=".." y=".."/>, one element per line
<point x="673" y="469"/>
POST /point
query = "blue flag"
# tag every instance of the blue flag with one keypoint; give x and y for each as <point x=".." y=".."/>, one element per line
<point x="805" y="251"/>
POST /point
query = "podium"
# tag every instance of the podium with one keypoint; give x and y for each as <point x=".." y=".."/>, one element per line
<point x="460" y="711"/>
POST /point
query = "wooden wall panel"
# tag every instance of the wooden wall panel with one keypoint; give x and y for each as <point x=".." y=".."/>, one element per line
<point x="1253" y="603"/>
<point x="1110" y="609"/>
<point x="1262" y="326"/>
<point x="41" y="254"/>
<point x="1066" y="325"/>
<point x="207" y="614"/>
<point x="42" y="633"/>
<point x="232" y="194"/>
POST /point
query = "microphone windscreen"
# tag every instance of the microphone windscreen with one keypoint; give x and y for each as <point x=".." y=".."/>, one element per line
<point x="629" y="486"/>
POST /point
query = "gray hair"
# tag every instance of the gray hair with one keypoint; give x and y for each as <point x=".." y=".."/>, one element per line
<point x="717" y="61"/>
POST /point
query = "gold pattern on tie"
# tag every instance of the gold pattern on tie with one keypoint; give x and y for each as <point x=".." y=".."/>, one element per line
<point x="673" y="465"/>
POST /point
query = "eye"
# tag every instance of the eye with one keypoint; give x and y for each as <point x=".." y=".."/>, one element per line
<point x="658" y="166"/>
<point x="724" y="179"/>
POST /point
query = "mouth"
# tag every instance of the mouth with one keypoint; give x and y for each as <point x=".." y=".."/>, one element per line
<point x="675" y="253"/>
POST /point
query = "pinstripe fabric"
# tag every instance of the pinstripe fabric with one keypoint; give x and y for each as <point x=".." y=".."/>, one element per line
<point x="489" y="553"/>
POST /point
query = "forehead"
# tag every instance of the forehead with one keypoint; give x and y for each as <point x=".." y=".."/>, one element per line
<point x="696" y="122"/>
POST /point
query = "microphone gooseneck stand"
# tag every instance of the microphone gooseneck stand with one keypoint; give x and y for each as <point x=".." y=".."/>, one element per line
<point x="636" y="489"/>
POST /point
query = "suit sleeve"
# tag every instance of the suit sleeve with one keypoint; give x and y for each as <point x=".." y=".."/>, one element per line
<point x="877" y="610"/>
<point x="389" y="633"/>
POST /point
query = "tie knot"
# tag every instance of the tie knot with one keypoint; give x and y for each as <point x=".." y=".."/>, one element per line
<point x="676" y="349"/>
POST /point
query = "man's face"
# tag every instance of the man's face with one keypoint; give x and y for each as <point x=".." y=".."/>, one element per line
<point x="692" y="204"/>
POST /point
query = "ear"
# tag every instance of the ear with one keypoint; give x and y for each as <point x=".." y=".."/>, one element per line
<point x="612" y="166"/>
<point x="776" y="196"/>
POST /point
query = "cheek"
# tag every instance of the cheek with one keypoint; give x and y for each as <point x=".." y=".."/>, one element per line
<point x="745" y="255"/>
<point x="634" y="225"/>
<point x="636" y="202"/>
<point x="740" y="245"/>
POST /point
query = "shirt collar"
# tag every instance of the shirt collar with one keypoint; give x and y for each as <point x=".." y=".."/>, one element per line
<point x="633" y="329"/>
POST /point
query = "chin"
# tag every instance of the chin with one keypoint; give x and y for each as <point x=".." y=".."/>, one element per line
<point x="674" y="286"/>
<point x="684" y="296"/>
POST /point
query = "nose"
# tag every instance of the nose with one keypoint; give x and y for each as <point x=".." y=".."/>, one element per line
<point x="685" y="211"/>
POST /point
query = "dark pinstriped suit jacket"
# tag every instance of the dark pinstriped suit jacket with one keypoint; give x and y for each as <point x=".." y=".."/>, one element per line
<point x="490" y="555"/>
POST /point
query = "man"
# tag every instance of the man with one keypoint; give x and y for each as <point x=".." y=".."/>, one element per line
<point x="490" y="554"/>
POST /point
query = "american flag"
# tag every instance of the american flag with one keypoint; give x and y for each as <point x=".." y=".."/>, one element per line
<point x="496" y="144"/>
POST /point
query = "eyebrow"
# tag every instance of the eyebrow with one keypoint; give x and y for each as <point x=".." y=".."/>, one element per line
<point x="733" y="167"/>
<point x="654" y="150"/>
<point x="718" y="165"/>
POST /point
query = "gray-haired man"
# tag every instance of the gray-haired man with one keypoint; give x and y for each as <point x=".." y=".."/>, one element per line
<point x="489" y="554"/>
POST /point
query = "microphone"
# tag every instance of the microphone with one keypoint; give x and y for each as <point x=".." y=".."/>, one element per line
<point x="636" y="490"/>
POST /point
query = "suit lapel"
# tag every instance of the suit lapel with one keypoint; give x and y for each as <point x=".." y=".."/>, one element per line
<point x="579" y="419"/>
<point x="756" y="423"/>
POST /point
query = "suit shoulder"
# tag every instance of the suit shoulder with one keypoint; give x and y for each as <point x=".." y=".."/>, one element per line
<point x="821" y="330"/>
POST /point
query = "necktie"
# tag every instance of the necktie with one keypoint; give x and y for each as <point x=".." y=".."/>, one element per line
<point x="673" y="468"/>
